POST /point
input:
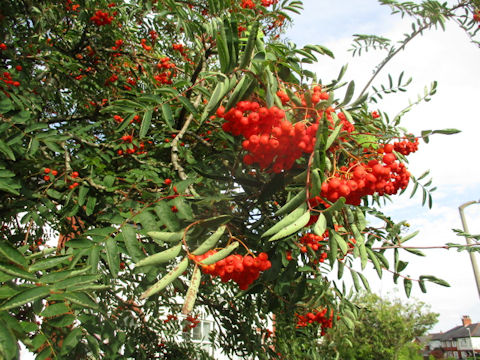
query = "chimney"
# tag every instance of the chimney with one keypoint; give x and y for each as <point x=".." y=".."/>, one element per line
<point x="466" y="320"/>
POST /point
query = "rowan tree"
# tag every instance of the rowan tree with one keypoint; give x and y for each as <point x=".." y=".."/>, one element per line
<point x="177" y="154"/>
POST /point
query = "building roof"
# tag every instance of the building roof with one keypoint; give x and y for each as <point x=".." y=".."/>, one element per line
<point x="460" y="332"/>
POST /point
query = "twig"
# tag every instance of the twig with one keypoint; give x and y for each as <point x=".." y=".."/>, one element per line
<point x="68" y="167"/>
<point x="389" y="57"/>
<point x="447" y="247"/>
<point x="175" y="160"/>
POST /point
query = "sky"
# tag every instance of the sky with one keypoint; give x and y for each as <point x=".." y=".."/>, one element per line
<point x="451" y="59"/>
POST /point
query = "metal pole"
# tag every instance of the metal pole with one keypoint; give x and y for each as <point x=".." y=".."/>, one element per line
<point x="471" y="343"/>
<point x="473" y="259"/>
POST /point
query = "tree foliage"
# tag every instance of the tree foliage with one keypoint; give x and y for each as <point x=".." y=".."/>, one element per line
<point x="160" y="146"/>
<point x="385" y="329"/>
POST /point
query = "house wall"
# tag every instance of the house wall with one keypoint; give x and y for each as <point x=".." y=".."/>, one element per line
<point x="433" y="344"/>
<point x="476" y="342"/>
<point x="465" y="344"/>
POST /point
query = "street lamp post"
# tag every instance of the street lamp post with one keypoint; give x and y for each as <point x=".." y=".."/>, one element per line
<point x="471" y="343"/>
<point x="473" y="259"/>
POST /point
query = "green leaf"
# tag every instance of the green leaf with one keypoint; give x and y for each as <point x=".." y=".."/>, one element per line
<point x="82" y="193"/>
<point x="7" y="292"/>
<point x="38" y="341"/>
<point x="215" y="98"/>
<point x="55" y="310"/>
<point x="220" y="254"/>
<point x="44" y="354"/>
<point x="12" y="254"/>
<point x="333" y="136"/>
<point x="5" y="105"/>
<point x="90" y="205"/>
<point x="8" y="343"/>
<point x="48" y="263"/>
<point x="166" y="280"/>
<point x="435" y="280"/>
<point x="407" y="284"/>
<point x="356" y="283"/>
<point x="113" y="258"/>
<point x="15" y="271"/>
<point x="372" y="256"/>
<point x="71" y="340"/>
<point x="287" y="220"/>
<point x="192" y="291"/>
<point x="336" y="206"/>
<point x="446" y="131"/>
<point x="146" y="218"/>
<point x="168" y="116"/>
<point x="62" y="275"/>
<point x="4" y="148"/>
<point x="62" y="321"/>
<point x="188" y="105"/>
<point x="81" y="299"/>
<point x="247" y="54"/>
<point x="161" y="257"/>
<point x="366" y="285"/>
<point x="166" y="215"/>
<point x="25" y="297"/>
<point x="75" y="281"/>
<point x="342" y="244"/>
<point x="210" y="242"/>
<point x="408" y="237"/>
<point x="293" y="203"/>
<point x="348" y="94"/>
<point x="321" y="225"/>
<point x="147" y="120"/>
<point x="166" y="236"/>
<point x="184" y="209"/>
<point x="134" y="248"/>
<point x="292" y="228"/>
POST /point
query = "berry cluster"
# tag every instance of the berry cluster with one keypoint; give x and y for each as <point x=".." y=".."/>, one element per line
<point x="248" y="4"/>
<point x="312" y="241"/>
<point x="183" y="51"/>
<point x="191" y="322"/>
<point x="363" y="179"/>
<point x="113" y="78"/>
<point x="317" y="95"/>
<point x="48" y="171"/>
<point x="102" y="18"/>
<point x="169" y="318"/>
<point x="319" y="317"/>
<point x="405" y="147"/>
<point x="244" y="270"/>
<point x="118" y="45"/>
<point x="165" y="76"/>
<point x="284" y="98"/>
<point x="132" y="149"/>
<point x="146" y="47"/>
<point x="6" y="77"/>
<point x="71" y="6"/>
<point x="267" y="3"/>
<point x="271" y="140"/>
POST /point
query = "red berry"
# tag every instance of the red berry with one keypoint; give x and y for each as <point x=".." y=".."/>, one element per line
<point x="388" y="148"/>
